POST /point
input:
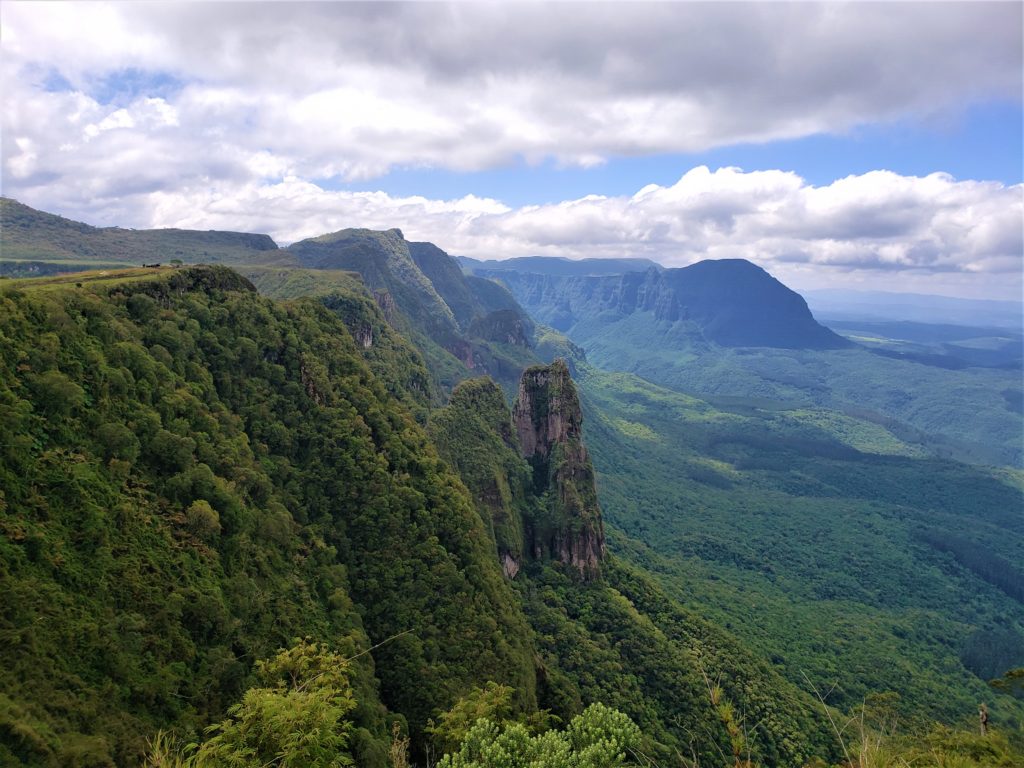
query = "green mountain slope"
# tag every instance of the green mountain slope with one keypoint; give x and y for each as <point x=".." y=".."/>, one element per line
<point x="192" y="476"/>
<point x="35" y="242"/>
<point x="603" y="630"/>
<point x="462" y="325"/>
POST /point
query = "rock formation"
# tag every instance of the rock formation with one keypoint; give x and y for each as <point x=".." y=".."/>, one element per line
<point x="548" y="421"/>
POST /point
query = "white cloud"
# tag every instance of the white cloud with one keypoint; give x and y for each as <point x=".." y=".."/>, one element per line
<point x="231" y="115"/>
<point x="879" y="223"/>
<point x="356" y="89"/>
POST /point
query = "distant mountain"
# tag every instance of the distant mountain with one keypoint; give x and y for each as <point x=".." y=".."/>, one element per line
<point x="560" y="266"/>
<point x="731" y="302"/>
<point x="833" y="304"/>
<point x="33" y="240"/>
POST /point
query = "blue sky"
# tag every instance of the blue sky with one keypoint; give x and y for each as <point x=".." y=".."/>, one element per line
<point x="984" y="141"/>
<point x="880" y="143"/>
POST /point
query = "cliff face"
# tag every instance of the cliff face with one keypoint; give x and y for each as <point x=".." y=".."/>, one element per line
<point x="506" y="326"/>
<point x="729" y="302"/>
<point x="530" y="476"/>
<point x="474" y="435"/>
<point x="548" y="421"/>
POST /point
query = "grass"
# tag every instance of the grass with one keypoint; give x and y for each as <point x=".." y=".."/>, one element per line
<point x="91" y="278"/>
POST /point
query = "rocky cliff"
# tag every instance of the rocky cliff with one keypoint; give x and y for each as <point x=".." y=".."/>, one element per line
<point x="728" y="302"/>
<point x="548" y="421"/>
<point x="474" y="435"/>
<point x="530" y="475"/>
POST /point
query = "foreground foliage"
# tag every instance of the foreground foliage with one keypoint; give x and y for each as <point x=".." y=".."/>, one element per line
<point x="598" y="738"/>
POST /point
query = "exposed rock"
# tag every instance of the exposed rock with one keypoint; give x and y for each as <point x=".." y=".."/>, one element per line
<point x="364" y="335"/>
<point x="506" y="326"/>
<point x="548" y="421"/>
<point x="386" y="302"/>
<point x="509" y="565"/>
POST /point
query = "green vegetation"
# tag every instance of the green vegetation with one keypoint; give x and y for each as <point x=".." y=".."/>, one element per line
<point x="474" y="434"/>
<point x="736" y="333"/>
<point x="295" y="717"/>
<point x="614" y="638"/>
<point x="832" y="554"/>
<point x="598" y="738"/>
<point x="960" y="414"/>
<point x="132" y="605"/>
<point x="31" y="235"/>
<point x="193" y="475"/>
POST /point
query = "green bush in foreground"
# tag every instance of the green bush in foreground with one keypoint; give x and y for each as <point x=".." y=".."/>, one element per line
<point x="601" y="737"/>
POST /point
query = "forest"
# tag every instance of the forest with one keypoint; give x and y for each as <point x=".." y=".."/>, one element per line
<point x="260" y="515"/>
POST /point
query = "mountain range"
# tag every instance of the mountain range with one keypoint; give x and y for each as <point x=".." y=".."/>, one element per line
<point x="458" y="481"/>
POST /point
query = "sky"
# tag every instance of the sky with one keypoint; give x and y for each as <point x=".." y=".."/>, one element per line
<point x="868" y="145"/>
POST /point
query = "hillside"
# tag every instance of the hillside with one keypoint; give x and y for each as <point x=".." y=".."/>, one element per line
<point x="462" y="325"/>
<point x="377" y="448"/>
<point x="35" y="242"/>
<point x="604" y="630"/>
<point x="193" y="475"/>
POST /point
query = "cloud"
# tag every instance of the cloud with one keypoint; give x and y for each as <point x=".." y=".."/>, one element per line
<point x="352" y="90"/>
<point x="240" y="116"/>
<point x="878" y="222"/>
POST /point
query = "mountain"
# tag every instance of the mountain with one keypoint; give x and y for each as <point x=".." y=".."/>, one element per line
<point x="557" y="266"/>
<point x="603" y="629"/>
<point x="729" y="332"/>
<point x="385" y="264"/>
<point x="729" y="302"/>
<point x="193" y="475"/>
<point x="35" y="242"/>
<point x="461" y="324"/>
<point x="482" y="330"/>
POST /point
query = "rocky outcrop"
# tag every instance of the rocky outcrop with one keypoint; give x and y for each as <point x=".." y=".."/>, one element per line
<point x="506" y="326"/>
<point x="386" y="303"/>
<point x="548" y="421"/>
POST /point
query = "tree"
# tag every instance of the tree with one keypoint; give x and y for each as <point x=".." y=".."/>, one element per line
<point x="601" y="737"/>
<point x="296" y="719"/>
<point x="492" y="702"/>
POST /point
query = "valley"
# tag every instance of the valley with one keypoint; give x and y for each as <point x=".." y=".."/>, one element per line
<point x="576" y="485"/>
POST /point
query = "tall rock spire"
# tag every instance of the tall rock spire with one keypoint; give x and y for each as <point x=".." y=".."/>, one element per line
<point x="548" y="420"/>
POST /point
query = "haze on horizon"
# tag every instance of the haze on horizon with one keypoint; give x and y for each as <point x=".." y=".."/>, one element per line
<point x="864" y="145"/>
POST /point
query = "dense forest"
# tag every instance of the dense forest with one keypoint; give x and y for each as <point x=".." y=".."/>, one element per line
<point x="270" y="514"/>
